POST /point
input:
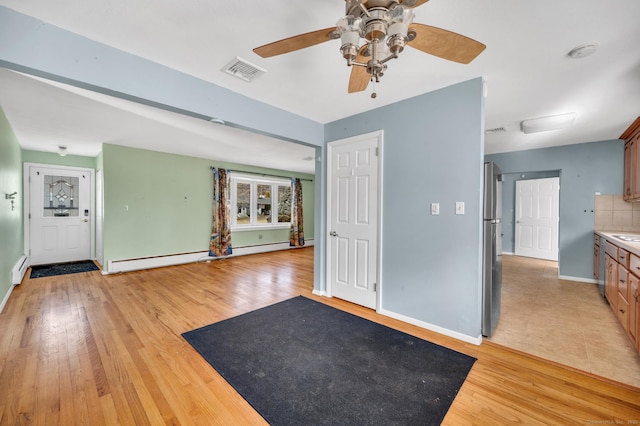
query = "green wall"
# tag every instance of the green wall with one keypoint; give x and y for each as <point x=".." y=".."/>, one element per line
<point x="157" y="204"/>
<point x="11" y="228"/>
<point x="55" y="159"/>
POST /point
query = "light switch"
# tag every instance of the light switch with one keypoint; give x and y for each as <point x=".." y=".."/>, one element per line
<point x="459" y="207"/>
<point x="435" y="209"/>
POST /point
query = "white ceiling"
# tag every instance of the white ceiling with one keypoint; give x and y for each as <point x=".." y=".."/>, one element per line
<point x="525" y="65"/>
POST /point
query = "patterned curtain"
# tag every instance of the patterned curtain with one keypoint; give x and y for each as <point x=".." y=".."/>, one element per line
<point x="220" y="244"/>
<point x="296" y="235"/>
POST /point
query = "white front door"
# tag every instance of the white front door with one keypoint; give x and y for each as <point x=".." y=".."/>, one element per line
<point x="353" y="217"/>
<point x="537" y="218"/>
<point x="59" y="214"/>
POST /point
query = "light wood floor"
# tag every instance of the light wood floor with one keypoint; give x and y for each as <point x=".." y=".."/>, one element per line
<point x="565" y="321"/>
<point x="92" y="349"/>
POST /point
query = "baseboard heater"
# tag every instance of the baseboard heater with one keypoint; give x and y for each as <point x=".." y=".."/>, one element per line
<point x="126" y="265"/>
<point x="19" y="269"/>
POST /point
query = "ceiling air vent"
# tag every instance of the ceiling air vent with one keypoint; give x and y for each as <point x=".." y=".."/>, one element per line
<point x="243" y="70"/>
<point x="495" y="130"/>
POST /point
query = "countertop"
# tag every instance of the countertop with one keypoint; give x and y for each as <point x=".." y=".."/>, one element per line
<point x="627" y="245"/>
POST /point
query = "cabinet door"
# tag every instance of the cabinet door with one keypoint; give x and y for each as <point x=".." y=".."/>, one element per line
<point x="622" y="308"/>
<point x="628" y="155"/>
<point x="634" y="313"/>
<point x="610" y="284"/>
<point x="623" y="277"/>
<point x="596" y="262"/>
<point x="623" y="312"/>
<point x="635" y="164"/>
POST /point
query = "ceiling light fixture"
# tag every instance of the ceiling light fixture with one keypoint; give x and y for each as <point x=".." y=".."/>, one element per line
<point x="62" y="150"/>
<point x="215" y="120"/>
<point x="583" y="51"/>
<point x="553" y="122"/>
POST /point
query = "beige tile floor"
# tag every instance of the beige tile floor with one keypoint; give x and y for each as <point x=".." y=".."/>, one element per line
<point x="563" y="321"/>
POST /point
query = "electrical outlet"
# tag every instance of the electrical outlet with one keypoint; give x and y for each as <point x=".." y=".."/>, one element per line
<point x="459" y="207"/>
<point x="435" y="209"/>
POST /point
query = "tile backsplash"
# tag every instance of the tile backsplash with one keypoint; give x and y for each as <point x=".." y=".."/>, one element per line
<point x="612" y="213"/>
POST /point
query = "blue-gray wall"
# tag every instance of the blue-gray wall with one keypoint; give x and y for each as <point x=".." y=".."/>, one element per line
<point x="30" y="45"/>
<point x="584" y="170"/>
<point x="433" y="147"/>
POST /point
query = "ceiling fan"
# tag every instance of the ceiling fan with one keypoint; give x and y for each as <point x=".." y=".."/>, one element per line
<point x="385" y="27"/>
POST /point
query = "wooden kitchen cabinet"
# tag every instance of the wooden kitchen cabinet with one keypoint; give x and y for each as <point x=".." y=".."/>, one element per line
<point x="610" y="281"/>
<point x="622" y="288"/>
<point x="631" y="136"/>
<point x="634" y="310"/>
<point x="596" y="258"/>
<point x="622" y="307"/>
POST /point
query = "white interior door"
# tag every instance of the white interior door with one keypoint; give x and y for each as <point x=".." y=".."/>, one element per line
<point x="353" y="183"/>
<point x="537" y="218"/>
<point x="59" y="214"/>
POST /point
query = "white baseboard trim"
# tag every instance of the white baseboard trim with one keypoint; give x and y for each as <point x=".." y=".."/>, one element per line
<point x="578" y="279"/>
<point x="432" y="327"/>
<point x="127" y="265"/>
<point x="19" y="269"/>
<point x="319" y="292"/>
<point x="508" y="253"/>
<point x="6" y="298"/>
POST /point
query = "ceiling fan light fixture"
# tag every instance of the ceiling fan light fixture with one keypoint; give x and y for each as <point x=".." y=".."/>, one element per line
<point x="349" y="28"/>
<point x="553" y="122"/>
<point x="386" y="27"/>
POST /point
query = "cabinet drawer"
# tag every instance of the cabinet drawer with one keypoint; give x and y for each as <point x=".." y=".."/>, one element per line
<point x="623" y="281"/>
<point x="611" y="250"/>
<point x="623" y="257"/>
<point x="634" y="264"/>
<point x="623" y="312"/>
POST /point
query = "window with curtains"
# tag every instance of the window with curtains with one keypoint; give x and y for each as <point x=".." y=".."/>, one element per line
<point x="260" y="202"/>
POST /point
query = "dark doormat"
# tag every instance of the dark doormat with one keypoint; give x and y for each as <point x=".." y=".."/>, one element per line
<point x="40" y="271"/>
<point x="300" y="362"/>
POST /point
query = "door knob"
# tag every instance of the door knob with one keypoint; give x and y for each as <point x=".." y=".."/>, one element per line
<point x="85" y="220"/>
<point x="333" y="233"/>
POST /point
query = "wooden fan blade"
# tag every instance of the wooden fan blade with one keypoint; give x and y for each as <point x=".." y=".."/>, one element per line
<point x="445" y="44"/>
<point x="294" y="43"/>
<point x="419" y="3"/>
<point x="360" y="78"/>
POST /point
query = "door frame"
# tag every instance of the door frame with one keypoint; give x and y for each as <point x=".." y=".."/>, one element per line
<point x="379" y="135"/>
<point x="557" y="212"/>
<point x="27" y="204"/>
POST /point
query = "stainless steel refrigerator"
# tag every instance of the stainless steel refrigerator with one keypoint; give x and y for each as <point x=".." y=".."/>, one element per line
<point x="492" y="248"/>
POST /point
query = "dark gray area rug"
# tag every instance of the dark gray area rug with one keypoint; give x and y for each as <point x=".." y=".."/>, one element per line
<point x="300" y="362"/>
<point x="40" y="271"/>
